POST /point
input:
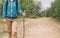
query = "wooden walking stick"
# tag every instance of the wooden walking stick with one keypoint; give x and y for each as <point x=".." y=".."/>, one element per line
<point x="24" y="26"/>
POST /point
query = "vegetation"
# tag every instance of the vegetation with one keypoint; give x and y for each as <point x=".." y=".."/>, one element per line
<point x="54" y="11"/>
<point x="33" y="9"/>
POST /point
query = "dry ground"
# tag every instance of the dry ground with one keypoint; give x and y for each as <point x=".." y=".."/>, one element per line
<point x="37" y="28"/>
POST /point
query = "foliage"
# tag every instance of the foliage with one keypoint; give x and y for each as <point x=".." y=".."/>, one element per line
<point x="46" y="13"/>
<point x="31" y="7"/>
<point x="56" y="9"/>
<point x="1" y="7"/>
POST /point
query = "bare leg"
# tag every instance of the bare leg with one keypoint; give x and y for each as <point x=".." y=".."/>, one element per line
<point x="14" y="29"/>
<point x="9" y="28"/>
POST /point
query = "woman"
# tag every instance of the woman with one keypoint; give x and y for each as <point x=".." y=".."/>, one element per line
<point x="11" y="9"/>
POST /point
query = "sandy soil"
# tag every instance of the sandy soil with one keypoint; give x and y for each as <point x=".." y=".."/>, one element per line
<point x="38" y="28"/>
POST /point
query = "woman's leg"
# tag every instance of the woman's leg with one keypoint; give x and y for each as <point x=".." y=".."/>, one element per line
<point x="9" y="28"/>
<point x="14" y="29"/>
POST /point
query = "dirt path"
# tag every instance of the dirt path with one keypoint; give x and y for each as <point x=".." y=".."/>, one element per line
<point x="39" y="28"/>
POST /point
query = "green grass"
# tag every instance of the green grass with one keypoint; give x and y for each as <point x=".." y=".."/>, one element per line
<point x="1" y="20"/>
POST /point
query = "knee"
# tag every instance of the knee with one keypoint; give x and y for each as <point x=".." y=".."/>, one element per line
<point x="14" y="33"/>
<point x="9" y="32"/>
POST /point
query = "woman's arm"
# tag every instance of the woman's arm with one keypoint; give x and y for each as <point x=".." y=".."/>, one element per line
<point x="19" y="8"/>
<point x="4" y="9"/>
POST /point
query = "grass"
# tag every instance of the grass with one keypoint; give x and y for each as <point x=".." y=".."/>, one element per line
<point x="1" y="20"/>
<point x="3" y="32"/>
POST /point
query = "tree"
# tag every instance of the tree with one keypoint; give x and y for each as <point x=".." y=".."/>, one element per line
<point x="31" y="7"/>
<point x="46" y="13"/>
<point x="1" y="7"/>
<point x="56" y="9"/>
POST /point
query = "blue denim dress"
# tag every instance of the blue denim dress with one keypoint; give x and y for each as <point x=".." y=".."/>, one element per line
<point x="11" y="12"/>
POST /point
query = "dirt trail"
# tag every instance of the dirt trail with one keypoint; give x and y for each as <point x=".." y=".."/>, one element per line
<point x="39" y="28"/>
